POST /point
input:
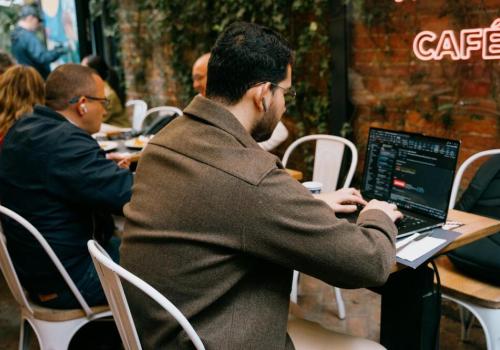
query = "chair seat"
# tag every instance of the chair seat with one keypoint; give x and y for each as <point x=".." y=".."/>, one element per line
<point x="460" y="286"/>
<point x="58" y="315"/>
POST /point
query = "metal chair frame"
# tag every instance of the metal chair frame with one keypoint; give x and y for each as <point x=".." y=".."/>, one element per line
<point x="110" y="274"/>
<point x="327" y="163"/>
<point x="53" y="328"/>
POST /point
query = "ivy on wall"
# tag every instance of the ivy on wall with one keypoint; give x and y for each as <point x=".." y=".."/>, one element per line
<point x="8" y="17"/>
<point x="189" y="28"/>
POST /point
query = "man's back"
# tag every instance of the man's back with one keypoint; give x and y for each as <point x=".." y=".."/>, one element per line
<point x="216" y="225"/>
<point x="53" y="174"/>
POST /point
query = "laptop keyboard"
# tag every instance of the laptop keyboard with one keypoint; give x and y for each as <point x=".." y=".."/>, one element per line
<point x="408" y="221"/>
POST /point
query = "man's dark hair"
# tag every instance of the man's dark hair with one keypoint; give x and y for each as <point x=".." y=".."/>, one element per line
<point x="246" y="54"/>
<point x="66" y="82"/>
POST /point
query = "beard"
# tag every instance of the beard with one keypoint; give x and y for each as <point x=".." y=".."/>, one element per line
<point x="263" y="130"/>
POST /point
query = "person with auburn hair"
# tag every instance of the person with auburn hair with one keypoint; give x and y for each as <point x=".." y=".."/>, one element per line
<point x="21" y="87"/>
<point x="53" y="173"/>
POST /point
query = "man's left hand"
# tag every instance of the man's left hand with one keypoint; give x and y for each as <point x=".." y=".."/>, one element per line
<point x="343" y="200"/>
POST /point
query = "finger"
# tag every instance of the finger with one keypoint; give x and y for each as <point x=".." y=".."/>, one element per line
<point x="399" y="215"/>
<point x="357" y="192"/>
<point x="354" y="200"/>
<point x="340" y="208"/>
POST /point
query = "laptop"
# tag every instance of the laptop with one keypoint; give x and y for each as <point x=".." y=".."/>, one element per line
<point x="413" y="171"/>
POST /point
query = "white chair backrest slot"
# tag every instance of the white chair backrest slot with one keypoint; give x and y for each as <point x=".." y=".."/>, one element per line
<point x="138" y="114"/>
<point x="328" y="159"/>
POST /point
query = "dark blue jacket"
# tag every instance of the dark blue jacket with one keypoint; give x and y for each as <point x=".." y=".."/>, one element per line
<point x="29" y="50"/>
<point x="55" y="175"/>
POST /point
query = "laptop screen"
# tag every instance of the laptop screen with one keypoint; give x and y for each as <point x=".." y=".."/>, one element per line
<point x="411" y="170"/>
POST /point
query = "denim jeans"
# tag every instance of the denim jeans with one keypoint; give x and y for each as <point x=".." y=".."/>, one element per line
<point x="89" y="286"/>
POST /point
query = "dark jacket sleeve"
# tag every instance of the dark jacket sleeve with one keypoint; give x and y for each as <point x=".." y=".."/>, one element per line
<point x="81" y="174"/>
<point x="300" y="232"/>
<point x="37" y="52"/>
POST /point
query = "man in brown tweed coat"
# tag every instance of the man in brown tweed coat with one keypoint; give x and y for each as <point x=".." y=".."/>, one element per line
<point x="217" y="225"/>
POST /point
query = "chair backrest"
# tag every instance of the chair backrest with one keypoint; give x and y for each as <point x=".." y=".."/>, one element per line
<point x="11" y="275"/>
<point x="110" y="274"/>
<point x="461" y="170"/>
<point x="327" y="159"/>
<point x="161" y="110"/>
<point x="138" y="114"/>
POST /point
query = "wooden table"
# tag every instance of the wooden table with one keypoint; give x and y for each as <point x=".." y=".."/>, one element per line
<point x="410" y="303"/>
<point x="475" y="227"/>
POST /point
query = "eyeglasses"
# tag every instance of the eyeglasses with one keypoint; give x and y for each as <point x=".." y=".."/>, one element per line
<point x="103" y="100"/>
<point x="289" y="93"/>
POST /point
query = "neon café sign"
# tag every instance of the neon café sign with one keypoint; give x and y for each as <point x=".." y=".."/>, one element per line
<point x="429" y="46"/>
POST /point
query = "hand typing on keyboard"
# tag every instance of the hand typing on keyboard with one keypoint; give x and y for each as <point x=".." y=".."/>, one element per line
<point x="389" y="209"/>
<point x="344" y="200"/>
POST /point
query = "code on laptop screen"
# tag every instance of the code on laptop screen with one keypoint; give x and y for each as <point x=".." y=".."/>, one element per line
<point x="411" y="170"/>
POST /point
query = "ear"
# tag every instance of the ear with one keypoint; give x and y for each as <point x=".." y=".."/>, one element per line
<point x="81" y="106"/>
<point x="261" y="96"/>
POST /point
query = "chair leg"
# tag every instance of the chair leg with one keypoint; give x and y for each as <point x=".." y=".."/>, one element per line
<point x="294" y="294"/>
<point x="25" y="335"/>
<point x="340" y="302"/>
<point x="466" y="322"/>
<point x="490" y="320"/>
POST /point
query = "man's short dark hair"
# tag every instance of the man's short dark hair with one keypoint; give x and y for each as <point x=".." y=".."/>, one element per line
<point x="66" y="82"/>
<point x="246" y="54"/>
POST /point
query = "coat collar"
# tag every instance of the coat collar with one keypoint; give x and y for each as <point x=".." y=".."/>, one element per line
<point x="216" y="114"/>
<point x="48" y="112"/>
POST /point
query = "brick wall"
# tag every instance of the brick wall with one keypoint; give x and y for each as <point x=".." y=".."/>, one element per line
<point x="148" y="74"/>
<point x="392" y="89"/>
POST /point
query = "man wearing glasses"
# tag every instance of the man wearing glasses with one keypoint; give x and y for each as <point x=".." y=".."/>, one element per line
<point x="217" y="225"/>
<point x="53" y="173"/>
<point x="199" y="76"/>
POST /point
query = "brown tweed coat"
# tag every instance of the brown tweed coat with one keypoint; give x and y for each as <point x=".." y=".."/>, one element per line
<point x="217" y="226"/>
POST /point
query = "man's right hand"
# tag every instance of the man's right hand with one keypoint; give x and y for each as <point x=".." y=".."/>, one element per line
<point x="391" y="210"/>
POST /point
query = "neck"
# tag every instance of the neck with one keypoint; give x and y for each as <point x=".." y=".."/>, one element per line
<point x="244" y="112"/>
<point x="70" y="116"/>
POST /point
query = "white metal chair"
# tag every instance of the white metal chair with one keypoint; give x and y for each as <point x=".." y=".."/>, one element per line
<point x="53" y="328"/>
<point x="110" y="274"/>
<point x="479" y="298"/>
<point x="162" y="110"/>
<point x="327" y="162"/>
<point x="138" y="114"/>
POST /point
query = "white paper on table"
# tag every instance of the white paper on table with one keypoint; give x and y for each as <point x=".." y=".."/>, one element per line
<point x="416" y="249"/>
<point x="401" y="242"/>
